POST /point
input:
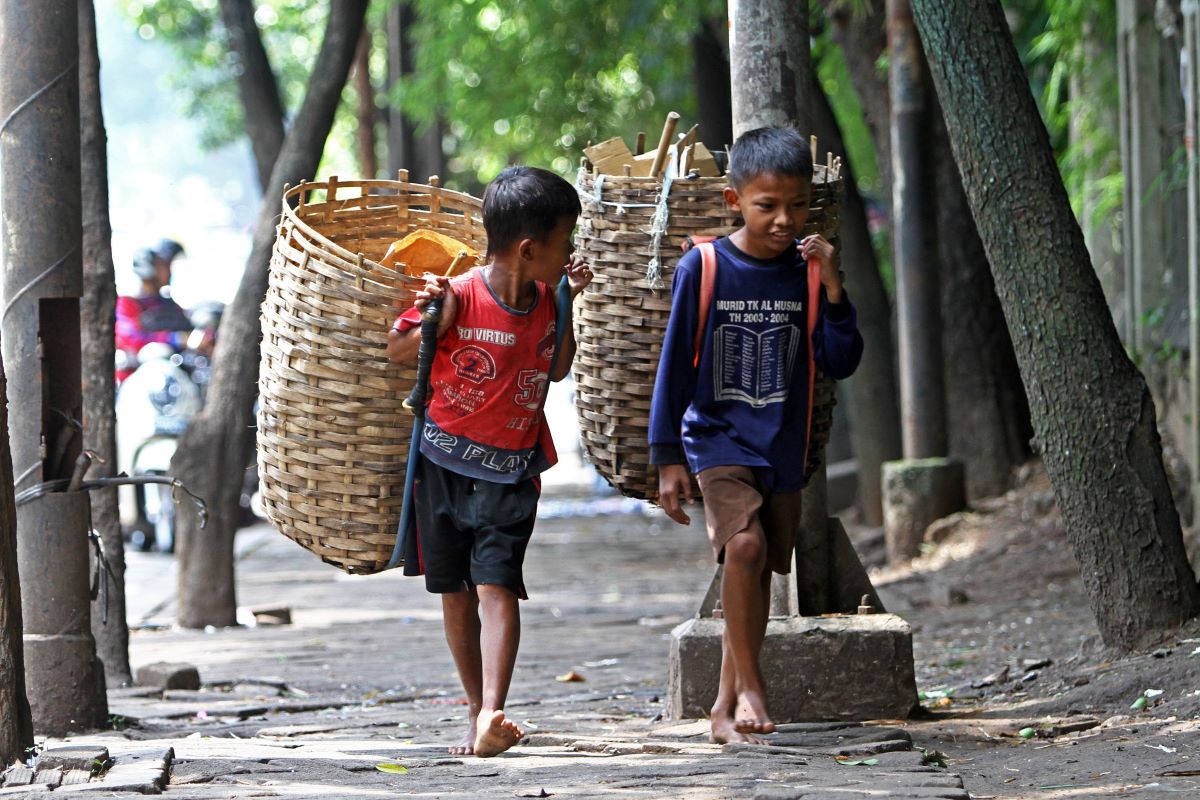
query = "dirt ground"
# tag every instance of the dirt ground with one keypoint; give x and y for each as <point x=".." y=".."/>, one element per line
<point x="1004" y="640"/>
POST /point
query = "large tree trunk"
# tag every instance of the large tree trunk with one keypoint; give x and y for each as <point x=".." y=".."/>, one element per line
<point x="96" y="314"/>
<point x="16" y="727"/>
<point x="1092" y="413"/>
<point x="769" y="64"/>
<point x="366" y="112"/>
<point x="215" y="449"/>
<point x="257" y="86"/>
<point x="987" y="415"/>
<point x="875" y="415"/>
<point x="710" y="77"/>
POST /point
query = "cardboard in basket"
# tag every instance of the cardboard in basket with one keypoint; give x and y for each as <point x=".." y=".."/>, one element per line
<point x="610" y="156"/>
<point x="425" y="251"/>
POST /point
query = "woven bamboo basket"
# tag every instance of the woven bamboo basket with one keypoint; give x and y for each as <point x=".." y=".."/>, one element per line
<point x="332" y="436"/>
<point x="621" y="316"/>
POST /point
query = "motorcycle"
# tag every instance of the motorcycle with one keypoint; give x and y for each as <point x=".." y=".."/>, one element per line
<point x="154" y="406"/>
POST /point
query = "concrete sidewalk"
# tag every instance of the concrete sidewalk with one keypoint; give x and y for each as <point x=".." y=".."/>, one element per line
<point x="363" y="677"/>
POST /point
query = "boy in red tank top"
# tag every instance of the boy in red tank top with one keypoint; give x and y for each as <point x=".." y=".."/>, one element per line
<point x="485" y="440"/>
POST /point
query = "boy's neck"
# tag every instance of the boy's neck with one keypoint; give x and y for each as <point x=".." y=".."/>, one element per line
<point x="509" y="283"/>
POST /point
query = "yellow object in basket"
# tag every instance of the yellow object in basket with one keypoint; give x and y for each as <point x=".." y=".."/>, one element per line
<point x="425" y="251"/>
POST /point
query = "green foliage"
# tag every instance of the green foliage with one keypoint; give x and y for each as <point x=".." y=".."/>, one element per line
<point x="206" y="78"/>
<point x="535" y="80"/>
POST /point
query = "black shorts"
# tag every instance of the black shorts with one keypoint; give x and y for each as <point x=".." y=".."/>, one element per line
<point x="471" y="531"/>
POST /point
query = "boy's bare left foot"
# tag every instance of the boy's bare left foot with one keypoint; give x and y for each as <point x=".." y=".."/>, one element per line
<point x="751" y="716"/>
<point x="724" y="732"/>
<point x="496" y="734"/>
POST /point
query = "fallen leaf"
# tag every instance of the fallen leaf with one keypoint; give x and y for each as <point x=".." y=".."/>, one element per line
<point x="1026" y="733"/>
<point x="1139" y="704"/>
<point x="571" y="677"/>
<point x="395" y="769"/>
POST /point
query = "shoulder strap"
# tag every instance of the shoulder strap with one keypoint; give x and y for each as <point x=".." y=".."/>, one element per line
<point x="814" y="301"/>
<point x="708" y="282"/>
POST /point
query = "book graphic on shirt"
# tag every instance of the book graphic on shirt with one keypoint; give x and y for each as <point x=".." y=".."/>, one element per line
<point x="754" y="366"/>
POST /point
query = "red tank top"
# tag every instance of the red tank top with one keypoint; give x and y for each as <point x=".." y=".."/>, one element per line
<point x="488" y="384"/>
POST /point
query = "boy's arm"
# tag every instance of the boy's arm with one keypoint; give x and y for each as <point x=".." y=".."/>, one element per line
<point x="674" y="387"/>
<point x="579" y="275"/>
<point x="837" y="343"/>
<point x="404" y="339"/>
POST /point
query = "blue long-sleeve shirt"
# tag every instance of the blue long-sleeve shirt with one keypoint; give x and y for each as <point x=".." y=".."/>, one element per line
<point x="746" y="402"/>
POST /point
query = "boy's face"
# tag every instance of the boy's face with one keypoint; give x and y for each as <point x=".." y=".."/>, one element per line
<point x="774" y="208"/>
<point x="549" y="256"/>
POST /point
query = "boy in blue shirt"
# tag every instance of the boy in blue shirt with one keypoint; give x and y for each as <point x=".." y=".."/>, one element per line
<point x="736" y="412"/>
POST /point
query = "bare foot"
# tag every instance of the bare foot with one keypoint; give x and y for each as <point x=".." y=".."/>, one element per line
<point x="724" y="732"/>
<point x="466" y="745"/>
<point x="496" y="734"/>
<point x="752" y="715"/>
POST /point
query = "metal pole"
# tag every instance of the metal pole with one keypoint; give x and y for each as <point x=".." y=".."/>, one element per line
<point x="41" y="236"/>
<point x="918" y="291"/>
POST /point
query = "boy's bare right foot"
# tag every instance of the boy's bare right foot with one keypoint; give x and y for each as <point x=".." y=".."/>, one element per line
<point x="466" y="745"/>
<point x="496" y="734"/>
<point x="724" y="732"/>
<point x="751" y="716"/>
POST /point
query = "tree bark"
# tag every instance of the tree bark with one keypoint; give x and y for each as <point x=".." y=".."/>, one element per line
<point x="16" y="726"/>
<point x="769" y="64"/>
<point x="914" y="242"/>
<point x="710" y="75"/>
<point x="860" y="30"/>
<point x="216" y="447"/>
<point x="257" y="86"/>
<point x="1093" y="416"/>
<point x="96" y="313"/>
<point x="875" y="412"/>
<point x="368" y="164"/>
<point x="987" y="415"/>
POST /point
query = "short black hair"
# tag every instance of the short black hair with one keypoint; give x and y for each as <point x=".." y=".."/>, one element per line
<point x="526" y="202"/>
<point x="768" y="151"/>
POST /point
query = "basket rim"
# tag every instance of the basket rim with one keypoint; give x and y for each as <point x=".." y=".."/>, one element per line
<point x="332" y="247"/>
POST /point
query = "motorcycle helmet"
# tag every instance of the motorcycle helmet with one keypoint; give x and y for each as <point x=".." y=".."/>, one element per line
<point x="168" y="249"/>
<point x="143" y="263"/>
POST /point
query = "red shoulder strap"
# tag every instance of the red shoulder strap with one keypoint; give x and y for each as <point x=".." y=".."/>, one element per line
<point x="708" y="282"/>
<point x="814" y="301"/>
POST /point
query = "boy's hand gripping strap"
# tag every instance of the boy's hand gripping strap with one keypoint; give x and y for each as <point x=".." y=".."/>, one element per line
<point x="415" y="402"/>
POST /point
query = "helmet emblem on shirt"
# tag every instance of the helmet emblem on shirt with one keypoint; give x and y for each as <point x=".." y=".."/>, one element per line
<point x="473" y="363"/>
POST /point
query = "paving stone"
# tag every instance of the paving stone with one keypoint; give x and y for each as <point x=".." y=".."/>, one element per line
<point x="166" y="675"/>
<point x="874" y="748"/>
<point x="76" y="776"/>
<point x="18" y="776"/>
<point x="51" y="777"/>
<point x="25" y="791"/>
<point x="285" y="731"/>
<point x="85" y="757"/>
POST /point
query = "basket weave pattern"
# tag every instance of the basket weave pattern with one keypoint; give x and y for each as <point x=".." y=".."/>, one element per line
<point x="621" y="318"/>
<point x="332" y="436"/>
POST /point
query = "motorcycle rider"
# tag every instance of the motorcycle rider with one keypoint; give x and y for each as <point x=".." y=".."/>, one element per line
<point x="151" y="315"/>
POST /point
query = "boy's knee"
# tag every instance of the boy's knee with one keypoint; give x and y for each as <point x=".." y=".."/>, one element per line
<point x="746" y="550"/>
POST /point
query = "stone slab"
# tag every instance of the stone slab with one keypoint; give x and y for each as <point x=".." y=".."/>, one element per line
<point x="166" y="675"/>
<point x="81" y="757"/>
<point x="917" y="492"/>
<point x="849" y="667"/>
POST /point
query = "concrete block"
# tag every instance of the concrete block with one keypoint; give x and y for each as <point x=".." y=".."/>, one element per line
<point x="88" y="757"/>
<point x="841" y="485"/>
<point x="844" y="667"/>
<point x="916" y="493"/>
<point x="165" y="675"/>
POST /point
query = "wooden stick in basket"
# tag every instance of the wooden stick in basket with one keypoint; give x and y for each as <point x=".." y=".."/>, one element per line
<point x="454" y="264"/>
<point x="668" y="133"/>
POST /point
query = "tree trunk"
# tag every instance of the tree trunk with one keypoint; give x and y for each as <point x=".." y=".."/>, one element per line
<point x="367" y="163"/>
<point x="96" y="314"/>
<point x="257" y="86"/>
<point x="914" y="242"/>
<point x="216" y="447"/>
<point x="16" y="727"/>
<point x="860" y="30"/>
<point x="769" y="64"/>
<point x="710" y="76"/>
<point x="1092" y="413"/>
<point x="987" y="415"/>
<point x="875" y="412"/>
